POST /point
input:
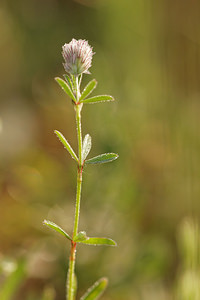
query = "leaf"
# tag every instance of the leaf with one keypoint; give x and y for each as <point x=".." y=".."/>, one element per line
<point x="81" y="236"/>
<point x="63" y="84"/>
<point x="102" y="158"/>
<point x="57" y="228"/>
<point x="98" y="241"/>
<point x="68" y="79"/>
<point x="88" y="89"/>
<point x="87" y="144"/>
<point x="95" y="291"/>
<point x="101" y="98"/>
<point x="66" y="144"/>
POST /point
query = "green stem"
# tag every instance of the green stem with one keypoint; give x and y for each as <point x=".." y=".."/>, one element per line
<point x="71" y="280"/>
<point x="79" y="133"/>
<point x="71" y="276"/>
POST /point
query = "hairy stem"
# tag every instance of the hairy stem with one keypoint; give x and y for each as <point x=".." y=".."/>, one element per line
<point x="71" y="280"/>
<point x="71" y="276"/>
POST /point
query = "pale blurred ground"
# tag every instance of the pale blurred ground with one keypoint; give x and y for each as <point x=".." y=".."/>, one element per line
<point x="148" y="58"/>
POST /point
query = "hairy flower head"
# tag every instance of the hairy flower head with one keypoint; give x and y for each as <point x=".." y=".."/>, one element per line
<point x="78" y="57"/>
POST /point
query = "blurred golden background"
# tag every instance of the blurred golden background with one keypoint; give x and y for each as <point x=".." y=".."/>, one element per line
<point x="148" y="58"/>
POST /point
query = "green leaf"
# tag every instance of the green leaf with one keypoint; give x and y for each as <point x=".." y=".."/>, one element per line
<point x="95" y="99"/>
<point x="87" y="144"/>
<point x="57" y="228"/>
<point x="66" y="144"/>
<point x="88" y="89"/>
<point x="63" y="84"/>
<point x="68" y="79"/>
<point x="81" y="236"/>
<point x="96" y="290"/>
<point x="98" y="241"/>
<point x="102" y="158"/>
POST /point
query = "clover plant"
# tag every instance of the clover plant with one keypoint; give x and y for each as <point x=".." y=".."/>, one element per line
<point x="77" y="60"/>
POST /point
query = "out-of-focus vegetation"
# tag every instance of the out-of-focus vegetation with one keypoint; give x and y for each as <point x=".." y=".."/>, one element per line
<point x="148" y="58"/>
<point x="188" y="285"/>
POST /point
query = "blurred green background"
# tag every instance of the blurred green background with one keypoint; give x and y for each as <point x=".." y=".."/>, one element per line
<point x="148" y="58"/>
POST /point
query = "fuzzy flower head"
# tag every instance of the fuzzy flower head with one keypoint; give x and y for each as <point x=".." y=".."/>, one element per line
<point x="78" y="57"/>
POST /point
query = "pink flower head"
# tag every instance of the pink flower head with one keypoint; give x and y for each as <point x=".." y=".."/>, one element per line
<point x="78" y="57"/>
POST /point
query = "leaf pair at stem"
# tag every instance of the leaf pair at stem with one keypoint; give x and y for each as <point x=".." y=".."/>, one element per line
<point x="81" y="237"/>
<point x="97" y="289"/>
<point x="87" y="144"/>
<point x="67" y="86"/>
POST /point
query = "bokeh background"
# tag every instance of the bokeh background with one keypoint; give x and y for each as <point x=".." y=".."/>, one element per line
<point x="148" y="58"/>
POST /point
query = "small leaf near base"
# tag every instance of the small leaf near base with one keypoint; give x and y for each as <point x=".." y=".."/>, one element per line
<point x="96" y="99"/>
<point x="96" y="241"/>
<point x="95" y="291"/>
<point x="102" y="158"/>
<point x="57" y="228"/>
<point x="81" y="236"/>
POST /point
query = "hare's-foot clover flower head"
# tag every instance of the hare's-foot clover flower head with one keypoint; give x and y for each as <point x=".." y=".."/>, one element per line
<point x="78" y="57"/>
